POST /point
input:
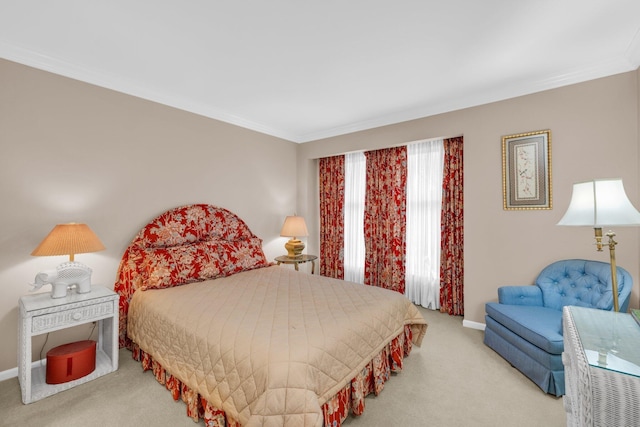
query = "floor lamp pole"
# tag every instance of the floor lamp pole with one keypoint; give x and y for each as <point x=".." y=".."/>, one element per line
<point x="614" y="270"/>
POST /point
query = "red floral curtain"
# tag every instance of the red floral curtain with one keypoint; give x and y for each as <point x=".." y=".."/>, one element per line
<point x="331" y="171"/>
<point x="452" y="238"/>
<point x="385" y="218"/>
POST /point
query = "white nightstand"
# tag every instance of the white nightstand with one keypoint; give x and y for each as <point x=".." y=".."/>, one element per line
<point x="40" y="314"/>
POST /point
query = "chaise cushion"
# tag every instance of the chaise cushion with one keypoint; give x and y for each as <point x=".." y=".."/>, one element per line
<point x="520" y="352"/>
<point x="541" y="326"/>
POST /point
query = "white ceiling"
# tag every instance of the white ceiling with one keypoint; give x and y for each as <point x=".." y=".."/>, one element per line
<point x="304" y="70"/>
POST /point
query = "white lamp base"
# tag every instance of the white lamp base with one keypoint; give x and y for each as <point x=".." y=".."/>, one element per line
<point x="65" y="276"/>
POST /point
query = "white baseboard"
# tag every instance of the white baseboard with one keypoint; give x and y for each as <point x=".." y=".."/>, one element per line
<point x="13" y="372"/>
<point x="473" y="325"/>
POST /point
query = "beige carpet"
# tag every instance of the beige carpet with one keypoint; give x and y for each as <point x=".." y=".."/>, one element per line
<point x="452" y="380"/>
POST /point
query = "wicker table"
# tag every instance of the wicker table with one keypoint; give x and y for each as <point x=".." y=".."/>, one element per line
<point x="41" y="314"/>
<point x="602" y="368"/>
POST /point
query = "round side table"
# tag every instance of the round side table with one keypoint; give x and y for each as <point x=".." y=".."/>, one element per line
<point x="284" y="259"/>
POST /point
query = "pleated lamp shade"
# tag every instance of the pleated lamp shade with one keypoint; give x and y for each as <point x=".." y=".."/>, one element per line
<point x="69" y="239"/>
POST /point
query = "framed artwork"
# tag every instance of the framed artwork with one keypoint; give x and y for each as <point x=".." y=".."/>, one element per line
<point x="526" y="171"/>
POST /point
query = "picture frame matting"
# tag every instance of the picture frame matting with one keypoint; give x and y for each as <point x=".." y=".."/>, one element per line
<point x="526" y="171"/>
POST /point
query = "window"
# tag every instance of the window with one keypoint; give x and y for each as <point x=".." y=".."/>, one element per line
<point x="354" y="191"/>
<point x="424" y="202"/>
<point x="424" y="205"/>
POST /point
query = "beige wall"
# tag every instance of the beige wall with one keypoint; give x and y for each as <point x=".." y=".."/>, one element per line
<point x="75" y="152"/>
<point x="594" y="130"/>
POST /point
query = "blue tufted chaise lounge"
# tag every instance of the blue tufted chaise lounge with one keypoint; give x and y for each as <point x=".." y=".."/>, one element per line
<point x="525" y="326"/>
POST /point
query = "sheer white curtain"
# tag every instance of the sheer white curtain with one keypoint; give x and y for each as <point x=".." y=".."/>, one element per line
<point x="425" y="162"/>
<point x="424" y="204"/>
<point x="354" y="192"/>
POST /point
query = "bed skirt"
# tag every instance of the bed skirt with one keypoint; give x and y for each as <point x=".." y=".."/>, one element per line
<point x="350" y="399"/>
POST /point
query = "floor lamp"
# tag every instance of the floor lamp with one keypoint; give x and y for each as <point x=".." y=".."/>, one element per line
<point x="602" y="203"/>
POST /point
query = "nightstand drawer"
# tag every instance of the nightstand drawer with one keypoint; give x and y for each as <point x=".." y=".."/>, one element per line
<point x="69" y="317"/>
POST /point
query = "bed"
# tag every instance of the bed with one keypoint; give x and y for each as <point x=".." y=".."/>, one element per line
<point x="247" y="343"/>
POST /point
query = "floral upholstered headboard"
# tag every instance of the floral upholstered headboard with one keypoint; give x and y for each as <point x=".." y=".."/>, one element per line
<point x="183" y="245"/>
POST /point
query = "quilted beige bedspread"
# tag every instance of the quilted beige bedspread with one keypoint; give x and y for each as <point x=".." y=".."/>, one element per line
<point x="269" y="346"/>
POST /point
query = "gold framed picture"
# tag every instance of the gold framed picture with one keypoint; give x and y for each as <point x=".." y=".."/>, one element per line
<point x="526" y="171"/>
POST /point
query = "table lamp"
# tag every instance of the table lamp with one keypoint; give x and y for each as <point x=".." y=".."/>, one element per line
<point x="294" y="227"/>
<point x="597" y="204"/>
<point x="67" y="239"/>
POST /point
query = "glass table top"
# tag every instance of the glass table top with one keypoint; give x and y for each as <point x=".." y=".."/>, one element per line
<point x="610" y="340"/>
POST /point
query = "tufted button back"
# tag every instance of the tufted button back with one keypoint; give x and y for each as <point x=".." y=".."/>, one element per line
<point x="581" y="282"/>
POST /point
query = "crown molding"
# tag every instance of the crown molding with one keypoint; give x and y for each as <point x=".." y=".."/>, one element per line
<point x="67" y="69"/>
<point x="482" y="96"/>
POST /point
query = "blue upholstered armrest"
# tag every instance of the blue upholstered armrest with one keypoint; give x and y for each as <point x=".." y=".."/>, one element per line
<point x="520" y="295"/>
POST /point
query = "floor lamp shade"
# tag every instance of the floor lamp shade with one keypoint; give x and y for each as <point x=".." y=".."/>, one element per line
<point x="600" y="203"/>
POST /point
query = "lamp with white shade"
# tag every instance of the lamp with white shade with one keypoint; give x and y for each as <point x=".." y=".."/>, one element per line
<point x="294" y="227"/>
<point x="602" y="203"/>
